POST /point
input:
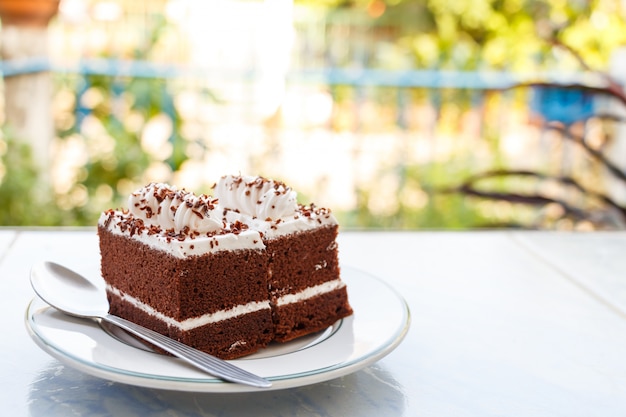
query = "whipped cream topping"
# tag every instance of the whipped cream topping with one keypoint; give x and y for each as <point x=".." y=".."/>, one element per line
<point x="243" y="211"/>
<point x="178" y="222"/>
<point x="256" y="197"/>
<point x="164" y="206"/>
<point x="268" y="206"/>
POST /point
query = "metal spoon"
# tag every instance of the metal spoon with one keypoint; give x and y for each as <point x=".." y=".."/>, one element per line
<point x="74" y="295"/>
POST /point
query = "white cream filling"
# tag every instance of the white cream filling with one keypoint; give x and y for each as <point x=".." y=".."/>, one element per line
<point x="310" y="292"/>
<point x="192" y="322"/>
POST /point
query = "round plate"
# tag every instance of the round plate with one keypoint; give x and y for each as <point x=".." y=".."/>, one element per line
<point x="380" y="321"/>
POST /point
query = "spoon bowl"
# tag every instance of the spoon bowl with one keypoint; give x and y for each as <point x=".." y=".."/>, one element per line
<point x="72" y="294"/>
<point x="68" y="291"/>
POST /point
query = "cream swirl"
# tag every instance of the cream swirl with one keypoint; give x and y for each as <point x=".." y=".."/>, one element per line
<point x="164" y="206"/>
<point x="198" y="213"/>
<point x="256" y="196"/>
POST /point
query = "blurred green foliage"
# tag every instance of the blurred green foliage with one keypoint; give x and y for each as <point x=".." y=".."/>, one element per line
<point x="514" y="35"/>
<point x="18" y="176"/>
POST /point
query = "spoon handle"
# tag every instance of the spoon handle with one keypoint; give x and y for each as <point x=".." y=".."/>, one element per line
<point x="195" y="357"/>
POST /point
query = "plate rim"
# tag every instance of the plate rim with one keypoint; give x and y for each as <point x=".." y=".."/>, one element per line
<point x="215" y="385"/>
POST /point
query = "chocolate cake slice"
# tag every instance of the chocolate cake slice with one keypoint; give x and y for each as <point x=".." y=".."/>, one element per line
<point x="226" y="274"/>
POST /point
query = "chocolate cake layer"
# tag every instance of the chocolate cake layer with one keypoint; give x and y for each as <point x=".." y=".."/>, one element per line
<point x="309" y="316"/>
<point x="302" y="260"/>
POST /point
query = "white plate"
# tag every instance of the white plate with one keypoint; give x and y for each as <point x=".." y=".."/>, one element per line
<point x="380" y="321"/>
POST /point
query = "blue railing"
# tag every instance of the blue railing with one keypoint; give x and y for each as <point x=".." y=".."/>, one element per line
<point x="554" y="104"/>
<point x="428" y="78"/>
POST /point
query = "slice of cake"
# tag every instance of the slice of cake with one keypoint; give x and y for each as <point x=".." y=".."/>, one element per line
<point x="305" y="289"/>
<point x="171" y="264"/>
<point x="224" y="274"/>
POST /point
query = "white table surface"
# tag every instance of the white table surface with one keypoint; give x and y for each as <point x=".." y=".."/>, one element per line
<point x="503" y="324"/>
